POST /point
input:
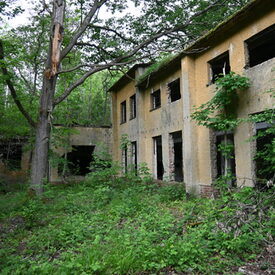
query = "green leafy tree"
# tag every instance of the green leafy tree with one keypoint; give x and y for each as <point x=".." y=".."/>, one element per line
<point x="9" y="8"/>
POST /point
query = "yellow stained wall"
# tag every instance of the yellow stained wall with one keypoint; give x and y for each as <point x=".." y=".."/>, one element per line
<point x="171" y="117"/>
<point x="130" y="127"/>
<point x="148" y="123"/>
<point x="161" y="122"/>
<point x="251" y="101"/>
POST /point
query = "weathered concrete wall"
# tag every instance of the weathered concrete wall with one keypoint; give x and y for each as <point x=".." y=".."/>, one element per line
<point x="190" y="151"/>
<point x="161" y="122"/>
<point x="99" y="137"/>
<point x="199" y="170"/>
<point x="148" y="123"/>
<point x="131" y="126"/>
<point x="254" y="100"/>
<point x="251" y="101"/>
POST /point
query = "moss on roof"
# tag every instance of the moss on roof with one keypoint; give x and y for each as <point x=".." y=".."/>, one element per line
<point x="170" y="60"/>
<point x="155" y="67"/>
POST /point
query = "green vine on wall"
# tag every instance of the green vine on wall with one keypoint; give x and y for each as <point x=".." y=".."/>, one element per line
<point x="266" y="156"/>
<point x="124" y="142"/>
<point x="219" y="113"/>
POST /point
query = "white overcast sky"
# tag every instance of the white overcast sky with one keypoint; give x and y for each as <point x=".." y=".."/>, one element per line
<point x="22" y="18"/>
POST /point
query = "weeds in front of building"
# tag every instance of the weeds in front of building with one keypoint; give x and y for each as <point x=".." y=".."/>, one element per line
<point x="115" y="223"/>
<point x="125" y="223"/>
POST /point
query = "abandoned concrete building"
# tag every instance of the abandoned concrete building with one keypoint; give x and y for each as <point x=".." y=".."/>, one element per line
<point x="81" y="145"/>
<point x="154" y="109"/>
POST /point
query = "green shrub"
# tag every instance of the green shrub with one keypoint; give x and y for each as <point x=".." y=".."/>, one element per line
<point x="129" y="226"/>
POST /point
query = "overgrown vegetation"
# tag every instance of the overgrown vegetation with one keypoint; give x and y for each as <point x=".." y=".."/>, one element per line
<point x="129" y="225"/>
<point x="265" y="157"/>
<point x="219" y="112"/>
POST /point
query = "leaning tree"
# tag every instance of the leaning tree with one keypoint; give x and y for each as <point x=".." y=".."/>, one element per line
<point x="75" y="39"/>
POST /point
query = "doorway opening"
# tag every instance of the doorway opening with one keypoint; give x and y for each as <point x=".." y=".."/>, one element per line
<point x="225" y="156"/>
<point x="176" y="156"/>
<point x="79" y="159"/>
<point x="263" y="157"/>
<point x="159" y="170"/>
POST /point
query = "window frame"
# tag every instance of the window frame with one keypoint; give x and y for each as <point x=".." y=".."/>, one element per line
<point x="123" y="112"/>
<point x="256" y="41"/>
<point x="155" y="94"/>
<point x="212" y="77"/>
<point x="175" y="84"/>
<point x="133" y="107"/>
<point x="260" y="144"/>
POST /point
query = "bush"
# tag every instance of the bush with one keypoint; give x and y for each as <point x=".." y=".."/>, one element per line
<point x="129" y="226"/>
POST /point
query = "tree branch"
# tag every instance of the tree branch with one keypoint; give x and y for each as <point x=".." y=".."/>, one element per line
<point x="12" y="89"/>
<point x="96" y="69"/>
<point x="74" y="68"/>
<point x="81" y="29"/>
<point x="127" y="58"/>
<point x="95" y="46"/>
<point x="113" y="31"/>
<point x="32" y="90"/>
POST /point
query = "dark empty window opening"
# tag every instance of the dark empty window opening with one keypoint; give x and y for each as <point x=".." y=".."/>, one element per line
<point x="174" y="90"/>
<point x="177" y="163"/>
<point x="155" y="99"/>
<point x="123" y="115"/>
<point x="261" y="47"/>
<point x="79" y="160"/>
<point x="264" y="146"/>
<point x="124" y="159"/>
<point x="158" y="157"/>
<point x="225" y="156"/>
<point x="219" y="67"/>
<point x="134" y="155"/>
<point x="11" y="155"/>
<point x="133" y="108"/>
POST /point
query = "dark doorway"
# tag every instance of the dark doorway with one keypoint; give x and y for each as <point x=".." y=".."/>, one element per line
<point x="158" y="157"/>
<point x="265" y="169"/>
<point x="177" y="152"/>
<point x="79" y="159"/>
<point x="225" y="156"/>
<point x="134" y="154"/>
<point x="11" y="154"/>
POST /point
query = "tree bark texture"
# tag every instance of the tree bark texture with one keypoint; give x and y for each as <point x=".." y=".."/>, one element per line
<point x="39" y="171"/>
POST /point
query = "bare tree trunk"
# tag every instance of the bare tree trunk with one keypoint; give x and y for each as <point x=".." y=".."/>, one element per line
<point x="39" y="171"/>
